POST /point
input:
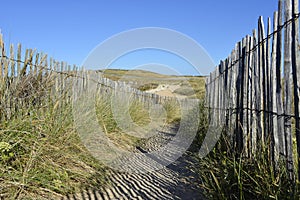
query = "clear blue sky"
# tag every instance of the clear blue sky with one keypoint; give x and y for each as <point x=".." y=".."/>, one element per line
<point x="68" y="30"/>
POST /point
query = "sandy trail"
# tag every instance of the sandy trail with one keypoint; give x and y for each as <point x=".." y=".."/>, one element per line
<point x="166" y="90"/>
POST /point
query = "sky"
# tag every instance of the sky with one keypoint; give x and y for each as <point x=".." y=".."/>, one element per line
<point x="69" y="30"/>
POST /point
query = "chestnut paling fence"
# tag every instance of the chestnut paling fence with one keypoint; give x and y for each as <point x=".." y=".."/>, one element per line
<point x="255" y="92"/>
<point x="32" y="80"/>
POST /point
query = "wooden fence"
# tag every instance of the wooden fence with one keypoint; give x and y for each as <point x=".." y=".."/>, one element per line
<point x="28" y="80"/>
<point x="250" y="95"/>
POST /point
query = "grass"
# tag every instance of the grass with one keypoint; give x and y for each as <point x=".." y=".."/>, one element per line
<point x="131" y="75"/>
<point x="137" y="111"/>
<point x="173" y="111"/>
<point x="225" y="175"/>
<point x="198" y="85"/>
<point x="185" y="91"/>
<point x="110" y="126"/>
<point x="145" y="80"/>
<point x="42" y="156"/>
<point x="148" y="86"/>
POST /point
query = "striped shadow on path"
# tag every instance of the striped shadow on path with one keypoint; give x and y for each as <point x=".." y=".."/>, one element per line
<point x="179" y="180"/>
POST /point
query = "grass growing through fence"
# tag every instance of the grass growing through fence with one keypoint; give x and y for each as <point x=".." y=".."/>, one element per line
<point x="41" y="156"/>
<point x="139" y="116"/>
<point x="110" y="126"/>
<point x="228" y="176"/>
<point x="198" y="85"/>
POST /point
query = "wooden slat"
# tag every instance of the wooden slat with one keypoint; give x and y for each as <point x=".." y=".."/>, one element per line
<point x="216" y="99"/>
<point x="30" y="62"/>
<point x="36" y="68"/>
<point x="19" y="57"/>
<point x="43" y="65"/>
<point x="244" y="93"/>
<point x="250" y="97"/>
<point x="5" y="86"/>
<point x="268" y="80"/>
<point x="5" y="67"/>
<point x="224" y="99"/>
<point x="228" y="99"/>
<point x="209" y="87"/>
<point x="239" y="102"/>
<point x="12" y="64"/>
<point x="233" y="95"/>
<point x="259" y="88"/>
<point x="274" y="131"/>
<point x="278" y="80"/>
<point x="12" y="61"/>
<point x="221" y="92"/>
<point x="24" y="68"/>
<point x="255" y="97"/>
<point x="296" y="76"/>
<point x="207" y="91"/>
<point x="262" y="76"/>
<point x="288" y="86"/>
<point x="1" y="58"/>
<point x="62" y="77"/>
<point x="57" y="76"/>
<point x="214" y="89"/>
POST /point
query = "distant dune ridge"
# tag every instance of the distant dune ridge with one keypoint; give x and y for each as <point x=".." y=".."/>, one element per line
<point x="164" y="85"/>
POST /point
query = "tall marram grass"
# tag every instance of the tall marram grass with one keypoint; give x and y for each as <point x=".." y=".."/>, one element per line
<point x="41" y="155"/>
<point x="225" y="175"/>
<point x="110" y="126"/>
<point x="137" y="111"/>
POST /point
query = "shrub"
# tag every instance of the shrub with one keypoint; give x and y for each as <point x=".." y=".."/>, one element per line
<point x="148" y="86"/>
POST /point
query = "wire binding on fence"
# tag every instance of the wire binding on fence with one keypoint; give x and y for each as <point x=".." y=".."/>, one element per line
<point x="233" y="63"/>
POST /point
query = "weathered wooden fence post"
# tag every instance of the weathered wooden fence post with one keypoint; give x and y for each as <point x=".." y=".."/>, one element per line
<point x="278" y="84"/>
<point x="288" y="87"/>
<point x="268" y="82"/>
<point x="262" y="80"/>
<point x="274" y="132"/>
<point x="296" y="74"/>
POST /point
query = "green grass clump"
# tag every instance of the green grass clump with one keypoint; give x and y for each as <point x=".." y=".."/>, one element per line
<point x="148" y="86"/>
<point x="198" y="85"/>
<point x="173" y="111"/>
<point x="108" y="122"/>
<point x="186" y="91"/>
<point x="228" y="176"/>
<point x="42" y="157"/>
<point x="139" y="115"/>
